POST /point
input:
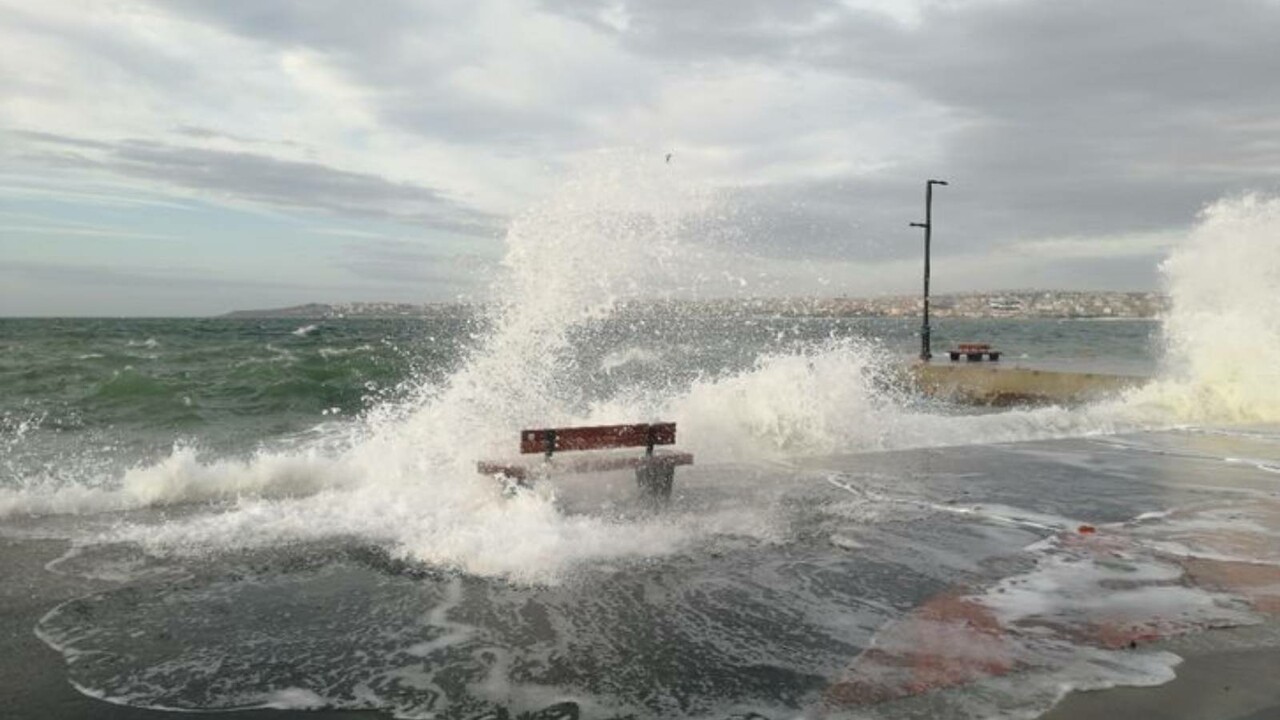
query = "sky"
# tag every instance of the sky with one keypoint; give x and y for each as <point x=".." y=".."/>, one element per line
<point x="190" y="157"/>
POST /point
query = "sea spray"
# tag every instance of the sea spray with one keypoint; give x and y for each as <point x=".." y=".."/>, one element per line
<point x="1222" y="330"/>
<point x="848" y="396"/>
<point x="403" y="474"/>
<point x="812" y="399"/>
<point x="407" y="477"/>
<point x="610" y="234"/>
<point x="294" y="590"/>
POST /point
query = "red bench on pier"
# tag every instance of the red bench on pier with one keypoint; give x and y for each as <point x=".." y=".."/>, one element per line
<point x="973" y="351"/>
<point x="655" y="469"/>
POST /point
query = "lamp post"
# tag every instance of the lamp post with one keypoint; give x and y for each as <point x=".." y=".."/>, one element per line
<point x="925" y="352"/>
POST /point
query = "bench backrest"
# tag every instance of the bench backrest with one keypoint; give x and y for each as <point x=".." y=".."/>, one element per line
<point x="550" y="440"/>
<point x="974" y="347"/>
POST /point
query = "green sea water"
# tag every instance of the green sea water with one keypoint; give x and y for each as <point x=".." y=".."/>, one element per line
<point x="86" y="398"/>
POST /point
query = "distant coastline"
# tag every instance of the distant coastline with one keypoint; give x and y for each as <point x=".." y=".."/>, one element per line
<point x="1062" y="304"/>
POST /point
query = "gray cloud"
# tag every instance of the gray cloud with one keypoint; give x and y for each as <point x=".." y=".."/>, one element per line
<point x="91" y="275"/>
<point x="1095" y="117"/>
<point x="799" y="31"/>
<point x="1065" y="118"/>
<point x="328" y="25"/>
<point x="1054" y="120"/>
<point x="265" y="179"/>
<point x="199" y="132"/>
<point x="59" y="140"/>
<point x="406" y="57"/>
<point x="106" y="50"/>
<point x="1075" y="118"/>
<point x="387" y="260"/>
<point x="269" y="180"/>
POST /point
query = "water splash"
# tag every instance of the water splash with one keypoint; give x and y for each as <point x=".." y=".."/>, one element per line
<point x="622" y="228"/>
<point x="1222" y="332"/>
<point x="404" y="475"/>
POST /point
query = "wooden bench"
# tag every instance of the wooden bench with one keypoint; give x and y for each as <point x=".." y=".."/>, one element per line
<point x="974" y="351"/>
<point x="655" y="469"/>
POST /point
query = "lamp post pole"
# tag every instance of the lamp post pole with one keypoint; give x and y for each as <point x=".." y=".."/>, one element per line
<point x="925" y="351"/>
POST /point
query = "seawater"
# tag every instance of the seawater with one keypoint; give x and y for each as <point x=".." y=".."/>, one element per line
<point x="129" y="389"/>
<point x="319" y="477"/>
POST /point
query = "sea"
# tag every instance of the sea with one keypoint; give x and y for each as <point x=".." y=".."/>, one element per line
<point x="286" y="513"/>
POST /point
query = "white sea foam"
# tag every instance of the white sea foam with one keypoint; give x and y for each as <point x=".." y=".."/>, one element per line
<point x="294" y="699"/>
<point x="1222" y="333"/>
<point x="184" y="477"/>
<point x="629" y="356"/>
<point x="407" y="478"/>
<point x="1082" y="617"/>
<point x="405" y="475"/>
<point x="326" y="352"/>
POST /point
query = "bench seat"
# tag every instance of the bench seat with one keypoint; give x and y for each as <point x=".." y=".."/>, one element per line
<point x="524" y="468"/>
<point x="974" y="352"/>
<point x="560" y="449"/>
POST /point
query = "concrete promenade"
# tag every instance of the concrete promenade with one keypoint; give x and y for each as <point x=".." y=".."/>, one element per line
<point x="988" y="383"/>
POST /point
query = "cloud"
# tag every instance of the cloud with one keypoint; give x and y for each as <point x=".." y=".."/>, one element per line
<point x="1099" y="248"/>
<point x="1053" y="118"/>
<point x="265" y="180"/>
<point x="272" y="181"/>
<point x="97" y="275"/>
<point x="483" y="72"/>
<point x="65" y="230"/>
<point x="63" y="140"/>
<point x="401" y="261"/>
<point x="203" y="133"/>
<point x="817" y="121"/>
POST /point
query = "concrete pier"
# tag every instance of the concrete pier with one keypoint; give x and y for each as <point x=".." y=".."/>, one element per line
<point x="1001" y="386"/>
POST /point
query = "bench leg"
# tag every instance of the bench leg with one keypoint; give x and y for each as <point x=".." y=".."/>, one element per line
<point x="512" y="484"/>
<point x="655" y="480"/>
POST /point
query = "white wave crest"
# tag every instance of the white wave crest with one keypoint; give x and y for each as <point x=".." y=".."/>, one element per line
<point x="406" y="477"/>
<point x="1222" y="332"/>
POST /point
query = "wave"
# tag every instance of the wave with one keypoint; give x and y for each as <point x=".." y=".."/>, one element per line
<point x="403" y="474"/>
<point x="1222" y="332"/>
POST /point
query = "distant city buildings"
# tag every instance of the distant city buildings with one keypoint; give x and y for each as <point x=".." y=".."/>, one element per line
<point x="1011" y="304"/>
<point x="1015" y="304"/>
<point x="323" y="311"/>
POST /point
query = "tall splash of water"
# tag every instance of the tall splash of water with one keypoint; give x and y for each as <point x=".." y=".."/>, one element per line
<point x="610" y="234"/>
<point x="620" y="229"/>
<point x="1222" y="330"/>
<point x="409" y="482"/>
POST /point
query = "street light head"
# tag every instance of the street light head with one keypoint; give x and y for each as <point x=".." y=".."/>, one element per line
<point x="937" y="182"/>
